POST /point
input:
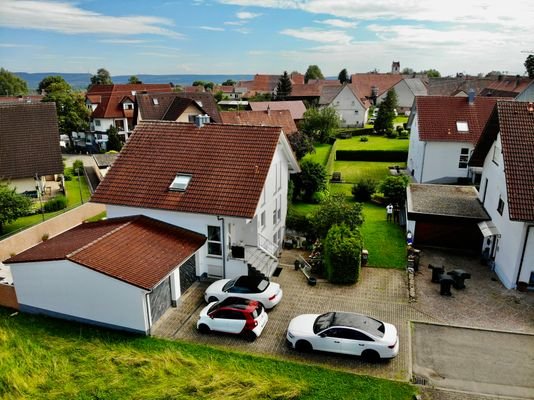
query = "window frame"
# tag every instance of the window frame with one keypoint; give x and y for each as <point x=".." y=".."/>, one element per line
<point x="500" y="206"/>
<point x="464" y="158"/>
<point x="211" y="241"/>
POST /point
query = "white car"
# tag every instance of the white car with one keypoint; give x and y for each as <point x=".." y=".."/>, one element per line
<point x="249" y="287"/>
<point x="234" y="315"/>
<point x="344" y="332"/>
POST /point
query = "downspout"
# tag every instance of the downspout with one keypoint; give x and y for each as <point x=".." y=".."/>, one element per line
<point x="148" y="312"/>
<point x="423" y="163"/>
<point x="223" y="235"/>
<point x="523" y="254"/>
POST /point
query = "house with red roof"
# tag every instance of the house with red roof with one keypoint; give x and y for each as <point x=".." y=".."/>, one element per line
<point x="295" y="107"/>
<point x="352" y="111"/>
<point x="281" y="118"/>
<point x="374" y="86"/>
<point x="120" y="273"/>
<point x="444" y="132"/>
<point x="505" y="153"/>
<point x="226" y="182"/>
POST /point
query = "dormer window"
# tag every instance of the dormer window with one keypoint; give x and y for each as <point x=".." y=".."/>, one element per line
<point x="155" y="101"/>
<point x="462" y="127"/>
<point x="180" y="182"/>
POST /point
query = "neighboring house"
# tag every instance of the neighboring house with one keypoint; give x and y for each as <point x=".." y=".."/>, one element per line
<point x="22" y="99"/>
<point x="527" y="94"/>
<point x="295" y="107"/>
<point x="495" y="85"/>
<point x="121" y="273"/>
<point x="373" y="86"/>
<point x="444" y="131"/>
<point x="281" y="118"/>
<point x="103" y="163"/>
<point x="352" y="111"/>
<point x="227" y="182"/>
<point x="30" y="154"/>
<point x="113" y="105"/>
<point x="508" y="86"/>
<point x="265" y="84"/>
<point x="175" y="106"/>
<point x="406" y="90"/>
<point x="505" y="153"/>
<point x="309" y="93"/>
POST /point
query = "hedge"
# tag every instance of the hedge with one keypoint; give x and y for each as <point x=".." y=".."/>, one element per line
<point x="55" y="204"/>
<point x="372" y="155"/>
<point x="342" y="254"/>
<point x="331" y="159"/>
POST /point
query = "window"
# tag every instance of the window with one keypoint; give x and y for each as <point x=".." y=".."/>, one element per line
<point x="496" y="155"/>
<point x="279" y="209"/>
<point x="500" y="206"/>
<point x="274" y="238"/>
<point x="180" y="182"/>
<point x="97" y="122"/>
<point x="155" y="101"/>
<point x="462" y="127"/>
<point x="464" y="158"/>
<point x="262" y="220"/>
<point x="214" y="241"/>
<point x="279" y="176"/>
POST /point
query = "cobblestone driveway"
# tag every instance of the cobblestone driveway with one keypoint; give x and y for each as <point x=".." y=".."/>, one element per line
<point x="381" y="293"/>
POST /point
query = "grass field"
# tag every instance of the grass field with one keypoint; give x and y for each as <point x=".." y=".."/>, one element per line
<point x="352" y="171"/>
<point x="321" y="153"/>
<point x="44" y="358"/>
<point x="373" y="143"/>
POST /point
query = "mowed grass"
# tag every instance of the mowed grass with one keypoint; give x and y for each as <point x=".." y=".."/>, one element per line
<point x="43" y="358"/>
<point x="353" y="171"/>
<point x="322" y="151"/>
<point x="384" y="240"/>
<point x="373" y="143"/>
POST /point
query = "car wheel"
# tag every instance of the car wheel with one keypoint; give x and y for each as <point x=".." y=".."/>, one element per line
<point x="371" y="356"/>
<point x="203" y="328"/>
<point x="250" y="336"/>
<point x="211" y="299"/>
<point x="303" y="346"/>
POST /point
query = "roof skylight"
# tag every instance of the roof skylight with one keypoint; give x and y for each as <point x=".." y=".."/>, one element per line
<point x="180" y="182"/>
<point x="461" y="126"/>
<point x="155" y="101"/>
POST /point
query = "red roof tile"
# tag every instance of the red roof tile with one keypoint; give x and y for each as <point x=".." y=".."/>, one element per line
<point x="306" y="90"/>
<point x="138" y="250"/>
<point x="437" y="117"/>
<point x="515" y="123"/>
<point x="363" y="83"/>
<point x="295" y="107"/>
<point x="29" y="140"/>
<point x="228" y="164"/>
<point x="280" y="118"/>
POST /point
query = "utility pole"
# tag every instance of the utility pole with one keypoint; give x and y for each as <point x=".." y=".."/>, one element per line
<point x="79" y="184"/>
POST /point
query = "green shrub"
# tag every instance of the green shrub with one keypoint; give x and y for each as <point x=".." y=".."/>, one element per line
<point x="363" y="189"/>
<point x="364" y="139"/>
<point x="394" y="188"/>
<point x="404" y="134"/>
<point x="55" y="204"/>
<point x="399" y="129"/>
<point x="372" y="155"/>
<point x="297" y="222"/>
<point x="378" y="198"/>
<point x="67" y="177"/>
<point x="335" y="210"/>
<point x="319" y="197"/>
<point x="77" y="164"/>
<point x="364" y="131"/>
<point x="342" y="252"/>
<point x="311" y="179"/>
<point x="392" y="134"/>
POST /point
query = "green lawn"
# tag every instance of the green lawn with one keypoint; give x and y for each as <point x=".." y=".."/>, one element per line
<point x="43" y="358"/>
<point x="352" y="171"/>
<point x="400" y="119"/>
<point x="374" y="143"/>
<point x="73" y="200"/>
<point x="384" y="240"/>
<point x="321" y="153"/>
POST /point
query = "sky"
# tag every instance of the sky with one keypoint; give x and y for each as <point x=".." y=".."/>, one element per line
<point x="265" y="36"/>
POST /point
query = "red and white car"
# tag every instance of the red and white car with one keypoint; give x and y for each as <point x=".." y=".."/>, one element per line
<point x="234" y="315"/>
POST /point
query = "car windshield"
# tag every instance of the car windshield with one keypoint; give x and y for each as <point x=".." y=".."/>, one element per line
<point x="228" y="285"/>
<point x="323" y="321"/>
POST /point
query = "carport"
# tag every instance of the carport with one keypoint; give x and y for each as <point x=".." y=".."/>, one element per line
<point x="445" y="216"/>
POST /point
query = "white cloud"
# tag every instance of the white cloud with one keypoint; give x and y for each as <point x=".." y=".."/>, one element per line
<point x="246" y="15"/>
<point x="235" y="23"/>
<point x="318" y="35"/>
<point x="15" y="45"/>
<point x="68" y="18"/>
<point x="211" y="28"/>
<point x="123" y="41"/>
<point x="244" y="31"/>
<point x="338" y="23"/>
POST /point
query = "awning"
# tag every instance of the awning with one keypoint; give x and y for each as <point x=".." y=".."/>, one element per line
<point x="488" y="228"/>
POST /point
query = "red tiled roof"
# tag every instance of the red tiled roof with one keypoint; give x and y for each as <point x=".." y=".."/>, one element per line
<point x="437" y="117"/>
<point x="364" y="82"/>
<point x="29" y="140"/>
<point x="280" y="118"/>
<point x="228" y="164"/>
<point x="138" y="250"/>
<point x="109" y="104"/>
<point x="510" y="84"/>
<point x="306" y="90"/>
<point x="295" y="107"/>
<point x="515" y="123"/>
<point x="21" y="99"/>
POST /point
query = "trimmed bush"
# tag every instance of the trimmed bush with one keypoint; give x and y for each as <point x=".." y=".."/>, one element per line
<point x="364" y="139"/>
<point x="55" y="204"/>
<point x="297" y="222"/>
<point x="77" y="164"/>
<point x="342" y="252"/>
<point x="363" y="189"/>
<point x="378" y="198"/>
<point x="404" y="134"/>
<point x="372" y="155"/>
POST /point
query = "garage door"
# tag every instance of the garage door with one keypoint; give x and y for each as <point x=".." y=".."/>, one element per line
<point x="160" y="299"/>
<point x="188" y="274"/>
<point x="454" y="235"/>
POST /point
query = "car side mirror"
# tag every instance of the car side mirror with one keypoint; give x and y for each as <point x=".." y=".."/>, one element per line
<point x="322" y="335"/>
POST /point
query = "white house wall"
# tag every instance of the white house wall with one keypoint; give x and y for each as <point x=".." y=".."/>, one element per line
<point x="416" y="152"/>
<point x="441" y="162"/>
<point x="405" y="96"/>
<point x="509" y="247"/>
<point x="66" y="289"/>
<point x="349" y="108"/>
<point x="106" y="123"/>
<point x="24" y="184"/>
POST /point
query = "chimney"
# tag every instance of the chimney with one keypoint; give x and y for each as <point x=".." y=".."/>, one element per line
<point x="471" y="96"/>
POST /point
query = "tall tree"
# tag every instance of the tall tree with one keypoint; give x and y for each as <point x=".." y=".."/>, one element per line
<point x="407" y="71"/>
<point x="102" y="77"/>
<point x="386" y="113"/>
<point x="432" y="73"/>
<point x="55" y="80"/>
<point x="72" y="113"/>
<point x="343" y="76"/>
<point x="114" y="141"/>
<point x="529" y="65"/>
<point x="134" y="79"/>
<point x="12" y="205"/>
<point x="313" y="72"/>
<point x="311" y="179"/>
<point x="284" y="87"/>
<point x="11" y="84"/>
<point x="229" y="82"/>
<point x="320" y="124"/>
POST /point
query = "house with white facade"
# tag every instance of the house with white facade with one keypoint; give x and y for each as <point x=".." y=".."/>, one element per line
<point x="352" y="111"/>
<point x="120" y="273"/>
<point x="226" y="182"/>
<point x="505" y="153"/>
<point x="444" y="132"/>
<point x="406" y="90"/>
